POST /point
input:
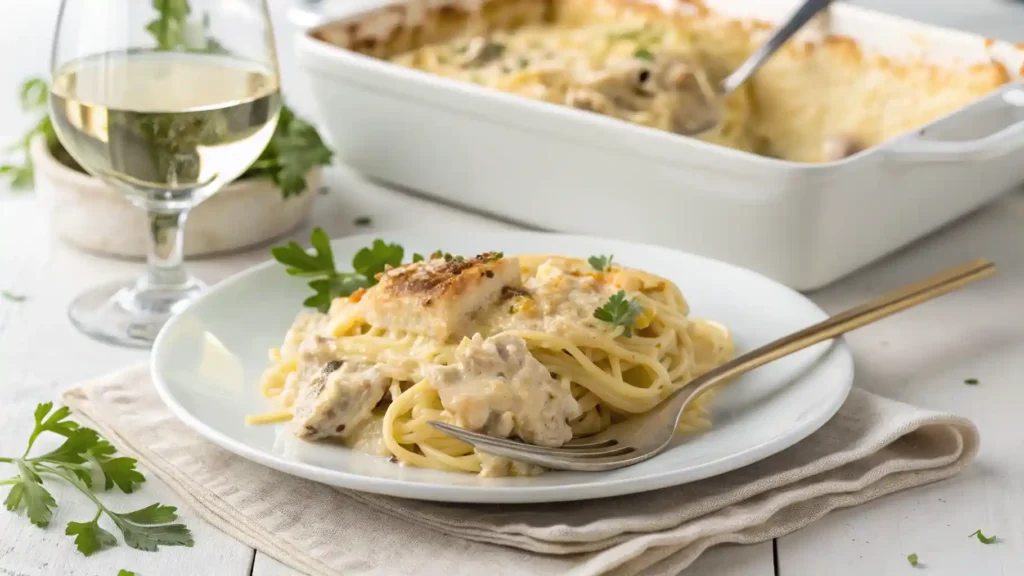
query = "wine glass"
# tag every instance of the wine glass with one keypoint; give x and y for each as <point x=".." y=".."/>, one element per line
<point x="166" y="102"/>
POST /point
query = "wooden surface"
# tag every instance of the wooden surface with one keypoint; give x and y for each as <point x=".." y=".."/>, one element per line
<point x="921" y="356"/>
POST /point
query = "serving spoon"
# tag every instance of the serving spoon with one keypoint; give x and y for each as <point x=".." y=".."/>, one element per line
<point x="707" y="113"/>
<point x="643" y="437"/>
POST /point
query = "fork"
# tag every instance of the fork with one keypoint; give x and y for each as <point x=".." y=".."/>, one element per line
<point x="642" y="437"/>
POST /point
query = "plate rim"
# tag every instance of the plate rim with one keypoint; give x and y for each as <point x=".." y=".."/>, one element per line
<point x="838" y="352"/>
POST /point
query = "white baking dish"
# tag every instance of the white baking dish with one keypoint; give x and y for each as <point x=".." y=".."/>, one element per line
<point x="561" y="169"/>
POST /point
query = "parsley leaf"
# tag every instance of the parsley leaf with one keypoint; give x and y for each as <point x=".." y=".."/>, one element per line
<point x="982" y="538"/>
<point x="294" y="149"/>
<point x="28" y="490"/>
<point x="363" y="221"/>
<point x="643" y="54"/>
<point x="371" y="261"/>
<point x="601" y="262"/>
<point x="417" y="258"/>
<point x="34" y="95"/>
<point x="328" y="283"/>
<point x="11" y="296"/>
<point x="90" y="537"/>
<point x="123" y="572"/>
<point x="168" y="29"/>
<point x="146" y="529"/>
<point x="912" y="559"/>
<point x="618" y="311"/>
<point x="971" y="381"/>
<point x="116" y="471"/>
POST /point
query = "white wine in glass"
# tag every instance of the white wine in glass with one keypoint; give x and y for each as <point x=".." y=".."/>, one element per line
<point x="167" y="106"/>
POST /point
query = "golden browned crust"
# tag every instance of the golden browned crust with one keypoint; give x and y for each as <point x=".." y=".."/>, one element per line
<point x="813" y="92"/>
<point x="447" y="277"/>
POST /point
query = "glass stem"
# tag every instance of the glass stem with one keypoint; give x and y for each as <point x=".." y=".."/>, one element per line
<point x="165" y="253"/>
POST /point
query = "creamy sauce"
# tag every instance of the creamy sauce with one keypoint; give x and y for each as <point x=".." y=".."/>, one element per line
<point x="338" y="399"/>
<point x="556" y="301"/>
<point x="496" y="386"/>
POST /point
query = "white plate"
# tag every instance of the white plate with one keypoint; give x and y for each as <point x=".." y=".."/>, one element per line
<point x="208" y="360"/>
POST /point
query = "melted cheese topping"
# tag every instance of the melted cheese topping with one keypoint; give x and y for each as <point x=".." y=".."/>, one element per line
<point x="820" y="98"/>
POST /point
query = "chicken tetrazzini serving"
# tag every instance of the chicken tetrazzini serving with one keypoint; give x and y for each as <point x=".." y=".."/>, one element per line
<point x="540" y="348"/>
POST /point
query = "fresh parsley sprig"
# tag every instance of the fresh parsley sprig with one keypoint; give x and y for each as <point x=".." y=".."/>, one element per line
<point x="620" y="311"/>
<point x="87" y="462"/>
<point x="601" y="263"/>
<point x="328" y="282"/>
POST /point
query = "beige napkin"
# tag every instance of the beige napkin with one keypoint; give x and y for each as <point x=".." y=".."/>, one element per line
<point x="872" y="447"/>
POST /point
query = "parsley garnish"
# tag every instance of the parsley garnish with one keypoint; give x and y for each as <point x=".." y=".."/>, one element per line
<point x="294" y="150"/>
<point x="982" y="538"/>
<point x="87" y="462"/>
<point x="618" y="311"/>
<point x="363" y="221"/>
<point x="168" y="29"/>
<point x="601" y="263"/>
<point x="34" y="96"/>
<point x="327" y="282"/>
<point x="12" y="297"/>
<point x="643" y="54"/>
<point x="971" y="381"/>
<point x="123" y="572"/>
<point x="912" y="559"/>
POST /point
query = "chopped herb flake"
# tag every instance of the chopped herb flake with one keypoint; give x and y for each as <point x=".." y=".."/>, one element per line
<point x="912" y="559"/>
<point x="971" y="381"/>
<point x="982" y="538"/>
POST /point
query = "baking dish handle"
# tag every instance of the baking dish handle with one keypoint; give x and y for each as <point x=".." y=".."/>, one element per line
<point x="918" y="147"/>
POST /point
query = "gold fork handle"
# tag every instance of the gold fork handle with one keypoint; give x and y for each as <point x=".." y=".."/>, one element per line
<point x="871" y="311"/>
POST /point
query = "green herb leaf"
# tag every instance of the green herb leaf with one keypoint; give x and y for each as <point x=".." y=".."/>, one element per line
<point x="118" y="471"/>
<point x="7" y="294"/>
<point x="168" y="29"/>
<point x="363" y="221"/>
<point x="601" y="263"/>
<point x="33" y="95"/>
<point x="124" y="572"/>
<point x="90" y="537"/>
<point x="372" y="260"/>
<point x="39" y="503"/>
<point x="912" y="559"/>
<point x="294" y="149"/>
<point x="971" y="381"/>
<point x="619" y="311"/>
<point x="982" y="538"/>
<point x="328" y="283"/>
<point x="417" y="258"/>
<point x="141" y="531"/>
<point x="643" y="54"/>
<point x="73" y="450"/>
<point x="152" y="514"/>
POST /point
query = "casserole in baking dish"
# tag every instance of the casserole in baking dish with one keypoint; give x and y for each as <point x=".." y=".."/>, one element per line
<point x="820" y="167"/>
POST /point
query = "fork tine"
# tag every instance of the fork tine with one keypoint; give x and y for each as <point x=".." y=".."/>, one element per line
<point x="476" y="439"/>
<point x="561" y="460"/>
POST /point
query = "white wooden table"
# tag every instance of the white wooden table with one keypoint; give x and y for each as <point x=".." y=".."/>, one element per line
<point x="922" y="357"/>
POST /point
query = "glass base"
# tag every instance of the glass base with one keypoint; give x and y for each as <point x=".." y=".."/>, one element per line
<point x="130" y="313"/>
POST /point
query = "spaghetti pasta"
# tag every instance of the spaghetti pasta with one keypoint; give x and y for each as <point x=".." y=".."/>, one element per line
<point x="523" y="357"/>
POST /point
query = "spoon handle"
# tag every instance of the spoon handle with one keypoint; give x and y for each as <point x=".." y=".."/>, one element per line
<point x="781" y="35"/>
